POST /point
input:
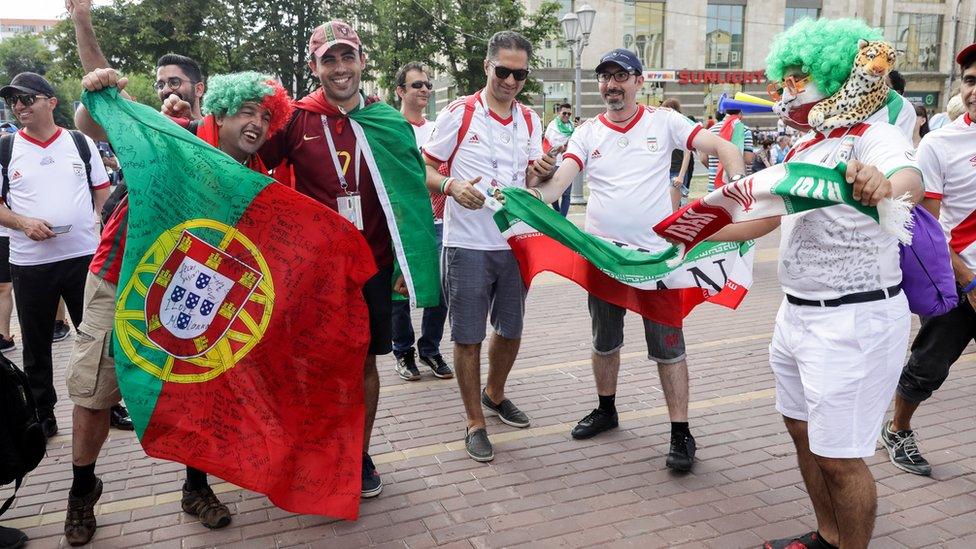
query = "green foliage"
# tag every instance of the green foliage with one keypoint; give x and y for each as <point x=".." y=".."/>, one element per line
<point x="23" y="53"/>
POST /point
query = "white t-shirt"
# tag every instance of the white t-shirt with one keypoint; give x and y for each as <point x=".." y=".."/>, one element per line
<point x="628" y="172"/>
<point x="831" y="252"/>
<point x="507" y="141"/>
<point x="422" y="132"/>
<point x="47" y="181"/>
<point x="556" y="138"/>
<point x="896" y="111"/>
<point x="947" y="158"/>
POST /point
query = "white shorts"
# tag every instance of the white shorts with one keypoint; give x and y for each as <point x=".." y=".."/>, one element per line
<point x="837" y="368"/>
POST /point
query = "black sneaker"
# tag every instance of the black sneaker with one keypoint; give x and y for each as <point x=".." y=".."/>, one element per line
<point x="61" y="330"/>
<point x="406" y="367"/>
<point x="437" y="364"/>
<point x="595" y="423"/>
<point x="903" y="451"/>
<point x="682" y="453"/>
<point x="49" y="426"/>
<point x="79" y="521"/>
<point x="372" y="485"/>
<point x="478" y="446"/>
<point x="811" y="540"/>
<point x="506" y="410"/>
<point x="119" y="418"/>
<point x="203" y="504"/>
<point x="12" y="538"/>
<point x="7" y="344"/>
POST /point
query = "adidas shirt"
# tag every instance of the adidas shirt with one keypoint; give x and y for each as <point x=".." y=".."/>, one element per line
<point x="831" y="252"/>
<point x="947" y="158"/>
<point x="507" y="140"/>
<point x="47" y="181"/>
<point x="628" y="173"/>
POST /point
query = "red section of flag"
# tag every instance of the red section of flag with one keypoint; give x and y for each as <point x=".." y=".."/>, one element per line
<point x="287" y="419"/>
<point x="963" y="234"/>
<point x="693" y="223"/>
<point x="538" y="253"/>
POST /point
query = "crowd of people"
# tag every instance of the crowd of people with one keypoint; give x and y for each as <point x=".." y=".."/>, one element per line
<point x="637" y="161"/>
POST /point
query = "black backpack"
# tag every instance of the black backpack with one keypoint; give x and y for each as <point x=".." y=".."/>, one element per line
<point x="7" y="149"/>
<point x="22" y="441"/>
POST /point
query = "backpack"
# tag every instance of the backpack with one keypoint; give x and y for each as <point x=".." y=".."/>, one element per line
<point x="22" y="441"/>
<point x="469" y="105"/>
<point x="926" y="269"/>
<point x="7" y="149"/>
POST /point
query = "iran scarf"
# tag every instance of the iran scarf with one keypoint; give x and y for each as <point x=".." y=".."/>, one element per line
<point x="646" y="283"/>
<point x="782" y="189"/>
<point x="399" y="173"/>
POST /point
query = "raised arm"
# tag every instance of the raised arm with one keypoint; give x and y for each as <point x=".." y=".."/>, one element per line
<point x="89" y="51"/>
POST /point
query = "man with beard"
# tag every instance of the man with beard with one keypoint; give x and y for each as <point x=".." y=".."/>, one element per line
<point x="842" y="330"/>
<point x="327" y="144"/>
<point x="626" y="153"/>
<point x="235" y="125"/>
<point x="413" y="89"/>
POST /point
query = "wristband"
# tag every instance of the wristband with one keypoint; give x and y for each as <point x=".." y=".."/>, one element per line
<point x="445" y="184"/>
<point x="970" y="287"/>
<point x="538" y="194"/>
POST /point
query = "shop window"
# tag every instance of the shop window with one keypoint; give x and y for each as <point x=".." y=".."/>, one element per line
<point x="723" y="39"/>
<point x="917" y="37"/>
<point x="644" y="31"/>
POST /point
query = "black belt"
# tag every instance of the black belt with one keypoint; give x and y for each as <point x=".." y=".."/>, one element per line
<point x="861" y="297"/>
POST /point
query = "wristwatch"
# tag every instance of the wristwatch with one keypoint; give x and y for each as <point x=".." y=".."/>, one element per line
<point x="736" y="177"/>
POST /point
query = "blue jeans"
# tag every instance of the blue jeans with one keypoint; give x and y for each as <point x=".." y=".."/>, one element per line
<point x="431" y="327"/>
<point x="562" y="205"/>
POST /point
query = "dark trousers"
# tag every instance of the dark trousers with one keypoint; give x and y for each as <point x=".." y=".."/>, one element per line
<point x="938" y="345"/>
<point x="562" y="205"/>
<point x="37" y="289"/>
<point x="431" y="327"/>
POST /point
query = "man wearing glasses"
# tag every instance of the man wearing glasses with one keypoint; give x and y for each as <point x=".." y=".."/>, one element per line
<point x="486" y="140"/>
<point x="626" y="153"/>
<point x="50" y="196"/>
<point x="413" y="89"/>
<point x="180" y="76"/>
<point x="557" y="135"/>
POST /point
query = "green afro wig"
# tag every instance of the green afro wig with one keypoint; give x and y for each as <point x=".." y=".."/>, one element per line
<point x="227" y="92"/>
<point x="825" y="48"/>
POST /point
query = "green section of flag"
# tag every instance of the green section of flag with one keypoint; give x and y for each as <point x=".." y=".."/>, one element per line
<point x="809" y="186"/>
<point x="625" y="265"/>
<point x="172" y="177"/>
<point x="399" y="174"/>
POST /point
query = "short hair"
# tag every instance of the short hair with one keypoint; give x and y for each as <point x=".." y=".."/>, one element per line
<point x="672" y="103"/>
<point x="897" y="82"/>
<point x="401" y="74"/>
<point x="564" y="106"/>
<point x="187" y="65"/>
<point x="508" y="40"/>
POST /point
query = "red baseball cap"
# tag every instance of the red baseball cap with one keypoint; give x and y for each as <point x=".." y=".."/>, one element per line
<point x="966" y="54"/>
<point x="331" y="34"/>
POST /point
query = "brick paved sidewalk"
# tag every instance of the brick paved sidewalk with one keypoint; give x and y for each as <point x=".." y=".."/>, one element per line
<point x="543" y="488"/>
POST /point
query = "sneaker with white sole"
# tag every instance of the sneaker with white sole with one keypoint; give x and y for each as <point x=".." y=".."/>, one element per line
<point x="903" y="451"/>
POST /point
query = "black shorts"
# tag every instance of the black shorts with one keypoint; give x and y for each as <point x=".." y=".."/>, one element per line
<point x="378" y="292"/>
<point x="4" y="259"/>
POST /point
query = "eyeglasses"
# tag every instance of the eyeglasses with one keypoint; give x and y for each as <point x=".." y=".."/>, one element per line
<point x="25" y="99"/>
<point x="505" y="72"/>
<point x="620" y="76"/>
<point x="565" y="113"/>
<point x="794" y="84"/>
<point x="421" y="84"/>
<point x="173" y="82"/>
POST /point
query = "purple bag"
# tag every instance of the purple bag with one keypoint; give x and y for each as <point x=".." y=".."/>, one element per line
<point x="926" y="270"/>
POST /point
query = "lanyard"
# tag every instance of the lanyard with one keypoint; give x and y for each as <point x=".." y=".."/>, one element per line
<point x="335" y="158"/>
<point x="491" y="143"/>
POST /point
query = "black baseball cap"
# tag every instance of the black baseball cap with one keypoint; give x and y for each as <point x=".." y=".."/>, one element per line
<point x="27" y="82"/>
<point x="626" y="59"/>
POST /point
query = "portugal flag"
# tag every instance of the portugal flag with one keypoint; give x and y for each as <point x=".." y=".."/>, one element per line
<point x="240" y="329"/>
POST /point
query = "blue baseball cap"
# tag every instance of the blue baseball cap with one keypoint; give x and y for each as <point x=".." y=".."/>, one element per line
<point x="626" y="59"/>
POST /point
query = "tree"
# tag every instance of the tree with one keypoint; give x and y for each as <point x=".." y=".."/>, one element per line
<point x="23" y="53"/>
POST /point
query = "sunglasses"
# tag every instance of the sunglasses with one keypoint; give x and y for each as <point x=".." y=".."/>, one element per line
<point x="421" y="84"/>
<point x="620" y="76"/>
<point x="172" y="83"/>
<point x="565" y="113"/>
<point x="25" y="99"/>
<point x="794" y="84"/>
<point x="505" y="72"/>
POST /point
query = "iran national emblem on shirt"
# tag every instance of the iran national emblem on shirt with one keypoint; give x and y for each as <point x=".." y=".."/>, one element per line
<point x="196" y="294"/>
<point x="652" y="144"/>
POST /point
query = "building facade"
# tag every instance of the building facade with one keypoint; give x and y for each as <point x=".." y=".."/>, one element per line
<point x="697" y="50"/>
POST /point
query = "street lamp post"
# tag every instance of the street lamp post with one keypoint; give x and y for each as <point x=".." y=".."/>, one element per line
<point x="576" y="31"/>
